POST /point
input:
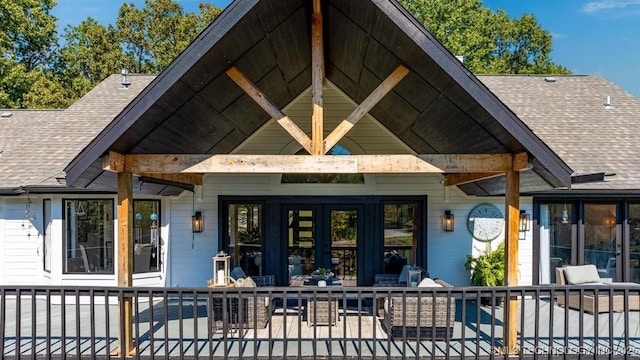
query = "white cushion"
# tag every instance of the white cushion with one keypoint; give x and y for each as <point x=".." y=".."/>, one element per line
<point x="427" y="282"/>
<point x="581" y="274"/>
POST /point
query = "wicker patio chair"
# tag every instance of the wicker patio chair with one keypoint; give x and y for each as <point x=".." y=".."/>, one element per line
<point x="258" y="309"/>
<point x="435" y="318"/>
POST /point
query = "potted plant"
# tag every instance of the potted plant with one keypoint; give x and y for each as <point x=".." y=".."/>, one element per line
<point x="487" y="269"/>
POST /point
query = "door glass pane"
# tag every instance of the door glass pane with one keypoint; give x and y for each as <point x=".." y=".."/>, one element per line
<point x="600" y="238"/>
<point x="344" y="239"/>
<point x="400" y="236"/>
<point x="634" y="243"/>
<point x="301" y="235"/>
<point x="555" y="239"/>
<point x="245" y="237"/>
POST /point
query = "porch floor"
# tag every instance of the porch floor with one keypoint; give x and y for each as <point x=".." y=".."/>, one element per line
<point x="174" y="327"/>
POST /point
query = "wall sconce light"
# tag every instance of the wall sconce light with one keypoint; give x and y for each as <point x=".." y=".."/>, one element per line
<point x="196" y="222"/>
<point x="525" y="221"/>
<point x="448" y="221"/>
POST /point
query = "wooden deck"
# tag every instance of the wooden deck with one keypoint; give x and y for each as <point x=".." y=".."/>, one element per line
<point x="358" y="333"/>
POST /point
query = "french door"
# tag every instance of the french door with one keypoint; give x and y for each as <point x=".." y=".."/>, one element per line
<point x="323" y="236"/>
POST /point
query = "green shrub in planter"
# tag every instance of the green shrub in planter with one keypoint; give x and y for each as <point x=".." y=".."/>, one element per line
<point x="487" y="269"/>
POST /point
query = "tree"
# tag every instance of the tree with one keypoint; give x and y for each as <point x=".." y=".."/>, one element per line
<point x="156" y="34"/>
<point x="27" y="42"/>
<point x="91" y="53"/>
<point x="490" y="42"/>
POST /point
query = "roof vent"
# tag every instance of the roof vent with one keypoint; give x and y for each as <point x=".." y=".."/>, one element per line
<point x="125" y="81"/>
<point x="6" y="114"/>
<point x="607" y="104"/>
<point x="549" y="79"/>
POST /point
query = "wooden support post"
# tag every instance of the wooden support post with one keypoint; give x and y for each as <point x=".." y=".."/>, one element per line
<point x="512" y="219"/>
<point x="317" y="80"/>
<point x="125" y="258"/>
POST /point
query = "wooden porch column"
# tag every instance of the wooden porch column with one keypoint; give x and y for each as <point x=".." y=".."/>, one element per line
<point x="125" y="258"/>
<point x="512" y="219"/>
<point x="317" y="80"/>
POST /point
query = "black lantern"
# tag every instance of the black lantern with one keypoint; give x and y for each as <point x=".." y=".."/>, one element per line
<point x="447" y="221"/>
<point x="196" y="222"/>
<point x="525" y="221"/>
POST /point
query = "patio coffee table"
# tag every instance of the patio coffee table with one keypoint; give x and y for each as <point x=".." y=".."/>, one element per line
<point x="322" y="310"/>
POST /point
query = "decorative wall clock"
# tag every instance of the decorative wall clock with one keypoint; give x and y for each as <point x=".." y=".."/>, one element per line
<point x="485" y="222"/>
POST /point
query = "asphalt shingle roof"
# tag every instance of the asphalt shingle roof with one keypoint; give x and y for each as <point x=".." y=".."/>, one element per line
<point x="568" y="113"/>
<point x="36" y="145"/>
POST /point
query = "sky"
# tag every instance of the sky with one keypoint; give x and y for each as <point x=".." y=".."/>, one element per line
<point x="599" y="37"/>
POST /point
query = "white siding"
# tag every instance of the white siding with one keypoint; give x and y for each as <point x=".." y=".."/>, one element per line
<point x="21" y="239"/>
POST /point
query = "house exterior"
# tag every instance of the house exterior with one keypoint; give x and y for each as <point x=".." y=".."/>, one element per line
<point x="278" y="211"/>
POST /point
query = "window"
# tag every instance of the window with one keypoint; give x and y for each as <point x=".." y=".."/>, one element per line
<point x="46" y="236"/>
<point x="146" y="236"/>
<point x="400" y="236"/>
<point x="88" y="236"/>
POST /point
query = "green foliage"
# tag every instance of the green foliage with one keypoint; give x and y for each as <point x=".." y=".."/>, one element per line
<point x="488" y="268"/>
<point x="36" y="72"/>
<point x="491" y="42"/>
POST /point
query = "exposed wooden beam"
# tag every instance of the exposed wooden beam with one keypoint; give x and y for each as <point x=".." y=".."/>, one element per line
<point x="359" y="112"/>
<point x="348" y="164"/>
<point x="317" y="80"/>
<point x="113" y="161"/>
<point x="521" y="162"/>
<point x="125" y="258"/>
<point x="465" y="178"/>
<point x="191" y="179"/>
<point x="261" y="99"/>
<point x="512" y="229"/>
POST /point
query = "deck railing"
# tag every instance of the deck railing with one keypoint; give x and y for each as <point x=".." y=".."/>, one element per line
<point x="313" y="322"/>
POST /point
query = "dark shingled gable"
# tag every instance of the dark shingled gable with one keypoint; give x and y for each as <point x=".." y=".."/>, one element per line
<point x="193" y="106"/>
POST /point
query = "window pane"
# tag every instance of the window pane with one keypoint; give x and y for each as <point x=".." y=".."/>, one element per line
<point x="301" y="235"/>
<point x="634" y="243"/>
<point x="555" y="239"/>
<point x="600" y="238"/>
<point x="245" y="237"/>
<point x="400" y="236"/>
<point x="89" y="236"/>
<point x="344" y="241"/>
<point x="146" y="235"/>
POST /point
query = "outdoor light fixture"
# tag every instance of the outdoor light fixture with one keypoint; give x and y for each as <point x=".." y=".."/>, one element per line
<point x="525" y="221"/>
<point x="447" y="221"/>
<point x="196" y="222"/>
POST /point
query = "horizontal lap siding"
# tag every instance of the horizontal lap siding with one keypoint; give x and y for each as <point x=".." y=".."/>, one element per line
<point x="21" y="242"/>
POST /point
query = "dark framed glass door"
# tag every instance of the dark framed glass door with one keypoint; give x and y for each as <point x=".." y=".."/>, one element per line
<point x="323" y="236"/>
<point x="602" y="245"/>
